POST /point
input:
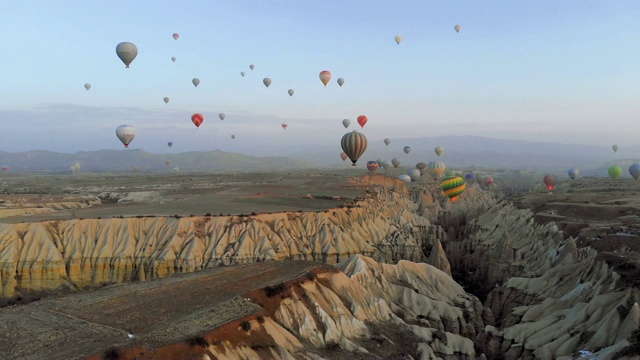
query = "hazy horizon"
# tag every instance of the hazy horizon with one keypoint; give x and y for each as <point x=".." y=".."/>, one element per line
<point x="554" y="72"/>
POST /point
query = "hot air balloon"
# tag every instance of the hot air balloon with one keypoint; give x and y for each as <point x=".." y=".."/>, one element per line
<point x="87" y="86"/>
<point x="372" y="166"/>
<point x="457" y="28"/>
<point x="340" y="81"/>
<point x="615" y="148"/>
<point x="5" y="168"/>
<point x="398" y="39"/>
<point x="266" y="82"/>
<point x="414" y="174"/>
<point x="195" y="82"/>
<point x="197" y="119"/>
<point x="362" y="120"/>
<point x="573" y="173"/>
<point x="252" y="66"/>
<point x="549" y="181"/>
<point x="325" y="77"/>
<point x="284" y="126"/>
<point x="290" y="91"/>
<point x="242" y="73"/>
<point x="169" y="144"/>
<point x="175" y="36"/>
<point x="222" y="116"/>
<point x="436" y="169"/>
<point x="407" y="149"/>
<point x="126" y="133"/>
<point x="453" y="187"/>
<point x="438" y="150"/>
<point x="469" y="176"/>
<point x="634" y="170"/>
<point x="127" y="52"/>
<point x="405" y="178"/>
<point x="233" y="136"/>
<point x="166" y="99"/>
<point x="615" y="171"/>
<point x="173" y="58"/>
<point x="354" y="144"/>
<point x="396" y="162"/>
<point x="168" y="162"/>
<point x="449" y="173"/>
<point x="387" y="164"/>
<point x="387" y="141"/>
<point x="343" y="156"/>
<point x="421" y="166"/>
<point x="346" y="123"/>
<point x="488" y="180"/>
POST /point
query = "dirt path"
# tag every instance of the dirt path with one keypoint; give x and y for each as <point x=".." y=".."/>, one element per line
<point x="157" y="312"/>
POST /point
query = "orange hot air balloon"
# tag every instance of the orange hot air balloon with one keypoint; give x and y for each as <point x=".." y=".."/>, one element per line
<point x="197" y="119"/>
<point x="362" y="120"/>
<point x="325" y="77"/>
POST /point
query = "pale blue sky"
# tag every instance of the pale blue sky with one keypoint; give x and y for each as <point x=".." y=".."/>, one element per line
<point x="560" y="71"/>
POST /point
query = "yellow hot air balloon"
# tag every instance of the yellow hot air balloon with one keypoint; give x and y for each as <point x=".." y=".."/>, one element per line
<point x="453" y="187"/>
<point x="398" y="39"/>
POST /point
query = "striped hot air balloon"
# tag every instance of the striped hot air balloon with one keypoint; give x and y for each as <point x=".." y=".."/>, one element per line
<point x="436" y="169"/>
<point x="354" y="144"/>
<point x="453" y="187"/>
<point x="372" y="166"/>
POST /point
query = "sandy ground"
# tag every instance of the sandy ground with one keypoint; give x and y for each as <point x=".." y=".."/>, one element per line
<point x="28" y="197"/>
<point x="156" y="312"/>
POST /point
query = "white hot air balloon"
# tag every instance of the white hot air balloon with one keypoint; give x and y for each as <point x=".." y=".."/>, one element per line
<point x="266" y="82"/>
<point x="126" y="133"/>
<point x="87" y="86"/>
<point x="405" y="178"/>
<point x="166" y="99"/>
<point x="127" y="52"/>
<point x="346" y="123"/>
<point x="290" y="91"/>
<point x="222" y="116"/>
<point x="340" y="81"/>
<point x="195" y="82"/>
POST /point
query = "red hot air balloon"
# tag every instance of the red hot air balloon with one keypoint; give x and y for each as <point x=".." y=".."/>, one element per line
<point x="550" y="181"/>
<point x="372" y="166"/>
<point x="176" y="36"/>
<point x="362" y="120"/>
<point x="197" y="119"/>
<point x="5" y="168"/>
<point x="284" y="126"/>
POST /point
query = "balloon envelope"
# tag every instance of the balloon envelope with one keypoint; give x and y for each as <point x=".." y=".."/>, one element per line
<point x="573" y="173"/>
<point x="173" y="58"/>
<point x="343" y="156"/>
<point x="469" y="176"/>
<point x="233" y="136"/>
<point x="354" y="144"/>
<point x="457" y="28"/>
<point x="284" y="126"/>
<point x="634" y="170"/>
<point x="346" y="123"/>
<point x="453" y="187"/>
<point x="407" y="149"/>
<point x="372" y="166"/>
<point x="398" y="39"/>
<point x="125" y="134"/>
<point x="169" y="144"/>
<point x="242" y="73"/>
<point x="488" y="180"/>
<point x="614" y="147"/>
<point x="222" y="116"/>
<point x="405" y="178"/>
<point x="340" y="81"/>
<point x="549" y="181"/>
<point x="290" y="91"/>
<point x="421" y="166"/>
<point x="127" y="52"/>
<point x="436" y="169"/>
<point x="414" y="174"/>
<point x="176" y="36"/>
<point x="252" y="66"/>
<point x="325" y="76"/>
<point x="362" y="120"/>
<point x="387" y="141"/>
<point x="438" y="150"/>
<point x="195" y="82"/>
<point x="266" y="82"/>
<point x="166" y="99"/>
<point x="87" y="86"/>
<point x="615" y="171"/>
<point x="197" y="119"/>
<point x="396" y="162"/>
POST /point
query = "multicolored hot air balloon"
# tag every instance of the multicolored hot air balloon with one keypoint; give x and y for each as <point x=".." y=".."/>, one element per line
<point x="266" y="82"/>
<point x="197" y="119"/>
<point x="340" y="81"/>
<point x="387" y="141"/>
<point x="573" y="173"/>
<point x="436" y="169"/>
<point x="362" y="120"/>
<point x="615" y="171"/>
<point x="438" y="150"/>
<point x="87" y="86"/>
<point x="407" y="149"/>
<point x="166" y="100"/>
<point x="634" y="170"/>
<point x="325" y="76"/>
<point x="195" y="82"/>
<point x="550" y="181"/>
<point x="372" y="166"/>
<point x="343" y="156"/>
<point x="125" y="134"/>
<point x="354" y="144"/>
<point x="615" y="148"/>
<point x="396" y="162"/>
<point x="398" y="39"/>
<point x="222" y="116"/>
<point x="346" y="123"/>
<point x="127" y="52"/>
<point x="453" y="187"/>
<point x="176" y="36"/>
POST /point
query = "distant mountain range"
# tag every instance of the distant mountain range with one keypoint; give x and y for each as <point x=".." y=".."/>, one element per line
<point x="460" y="152"/>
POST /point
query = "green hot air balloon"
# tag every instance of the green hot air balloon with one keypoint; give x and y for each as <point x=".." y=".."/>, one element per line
<point x="453" y="187"/>
<point x="615" y="171"/>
